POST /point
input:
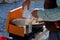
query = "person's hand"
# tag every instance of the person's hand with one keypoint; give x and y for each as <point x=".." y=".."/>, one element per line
<point x="26" y="3"/>
<point x="34" y="14"/>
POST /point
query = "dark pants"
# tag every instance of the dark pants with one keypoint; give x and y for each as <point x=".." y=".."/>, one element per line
<point x="54" y="35"/>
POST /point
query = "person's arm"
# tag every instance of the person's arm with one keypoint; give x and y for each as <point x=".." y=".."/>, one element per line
<point x="26" y="3"/>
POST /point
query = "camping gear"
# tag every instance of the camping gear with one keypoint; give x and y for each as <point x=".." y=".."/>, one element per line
<point x="10" y="27"/>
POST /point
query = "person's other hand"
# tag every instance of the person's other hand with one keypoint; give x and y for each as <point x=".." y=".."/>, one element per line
<point x="34" y="14"/>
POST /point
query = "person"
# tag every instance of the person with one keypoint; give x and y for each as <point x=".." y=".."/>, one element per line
<point x="51" y="16"/>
